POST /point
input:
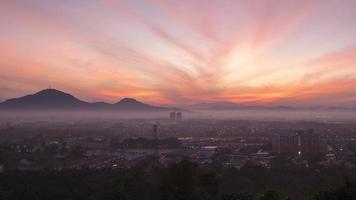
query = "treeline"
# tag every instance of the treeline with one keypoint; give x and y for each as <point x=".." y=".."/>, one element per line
<point x="181" y="181"/>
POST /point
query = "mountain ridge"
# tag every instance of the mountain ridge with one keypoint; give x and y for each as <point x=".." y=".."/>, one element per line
<point x="53" y="99"/>
<point x="226" y="105"/>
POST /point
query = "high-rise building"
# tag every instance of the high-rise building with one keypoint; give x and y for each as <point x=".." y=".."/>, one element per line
<point x="156" y="141"/>
<point x="299" y="142"/>
<point x="285" y="144"/>
<point x="172" y="116"/>
<point x="179" y="116"/>
<point x="312" y="143"/>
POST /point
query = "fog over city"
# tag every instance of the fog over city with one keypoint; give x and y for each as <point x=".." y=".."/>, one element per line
<point x="267" y="115"/>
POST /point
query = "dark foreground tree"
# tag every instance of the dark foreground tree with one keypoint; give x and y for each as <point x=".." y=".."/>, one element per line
<point x="346" y="192"/>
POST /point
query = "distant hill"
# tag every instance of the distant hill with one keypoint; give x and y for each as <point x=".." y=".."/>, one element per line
<point x="133" y="104"/>
<point x="45" y="99"/>
<point x="223" y="105"/>
<point x="215" y="106"/>
<point x="52" y="99"/>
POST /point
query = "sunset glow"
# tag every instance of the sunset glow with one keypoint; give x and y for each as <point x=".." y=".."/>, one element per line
<point x="181" y="52"/>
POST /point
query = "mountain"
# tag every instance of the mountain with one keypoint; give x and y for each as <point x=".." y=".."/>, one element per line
<point x="222" y="105"/>
<point x="133" y="104"/>
<point x="52" y="99"/>
<point x="45" y="99"/>
<point x="225" y="105"/>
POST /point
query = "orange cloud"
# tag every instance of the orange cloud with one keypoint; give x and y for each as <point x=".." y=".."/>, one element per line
<point x="176" y="51"/>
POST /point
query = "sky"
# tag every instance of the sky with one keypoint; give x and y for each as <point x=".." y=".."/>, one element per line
<point x="268" y="52"/>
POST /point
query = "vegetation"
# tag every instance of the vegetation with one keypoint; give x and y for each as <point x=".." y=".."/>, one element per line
<point x="181" y="181"/>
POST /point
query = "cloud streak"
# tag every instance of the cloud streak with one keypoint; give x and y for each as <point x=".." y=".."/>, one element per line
<point x="180" y="52"/>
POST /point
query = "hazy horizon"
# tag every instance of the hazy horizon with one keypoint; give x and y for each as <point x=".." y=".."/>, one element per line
<point x="202" y="105"/>
<point x="259" y="115"/>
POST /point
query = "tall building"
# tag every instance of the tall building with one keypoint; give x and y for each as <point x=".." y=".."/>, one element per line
<point x="172" y="116"/>
<point x="285" y="144"/>
<point x="179" y="116"/>
<point x="156" y="141"/>
<point x="299" y="142"/>
<point x="312" y="143"/>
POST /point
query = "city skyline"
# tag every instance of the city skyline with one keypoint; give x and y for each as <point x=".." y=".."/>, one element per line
<point x="177" y="52"/>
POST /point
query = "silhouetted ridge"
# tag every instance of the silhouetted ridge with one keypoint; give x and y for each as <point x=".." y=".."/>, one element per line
<point x="128" y="101"/>
<point x="133" y="104"/>
<point x="234" y="106"/>
<point x="52" y="99"/>
<point x="45" y="99"/>
<point x="56" y="96"/>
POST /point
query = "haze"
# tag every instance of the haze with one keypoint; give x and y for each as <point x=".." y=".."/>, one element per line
<point x="264" y="115"/>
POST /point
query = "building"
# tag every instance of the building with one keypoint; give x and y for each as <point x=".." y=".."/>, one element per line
<point x="179" y="116"/>
<point x="156" y="141"/>
<point x="175" y="116"/>
<point x="299" y="142"/>
<point x="312" y="143"/>
<point x="285" y="144"/>
<point x="172" y="116"/>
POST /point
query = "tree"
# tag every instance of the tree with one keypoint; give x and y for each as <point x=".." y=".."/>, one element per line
<point x="346" y="192"/>
<point x="241" y="196"/>
<point x="270" y="195"/>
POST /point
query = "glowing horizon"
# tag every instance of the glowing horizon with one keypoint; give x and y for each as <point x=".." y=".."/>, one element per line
<point x="181" y="52"/>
